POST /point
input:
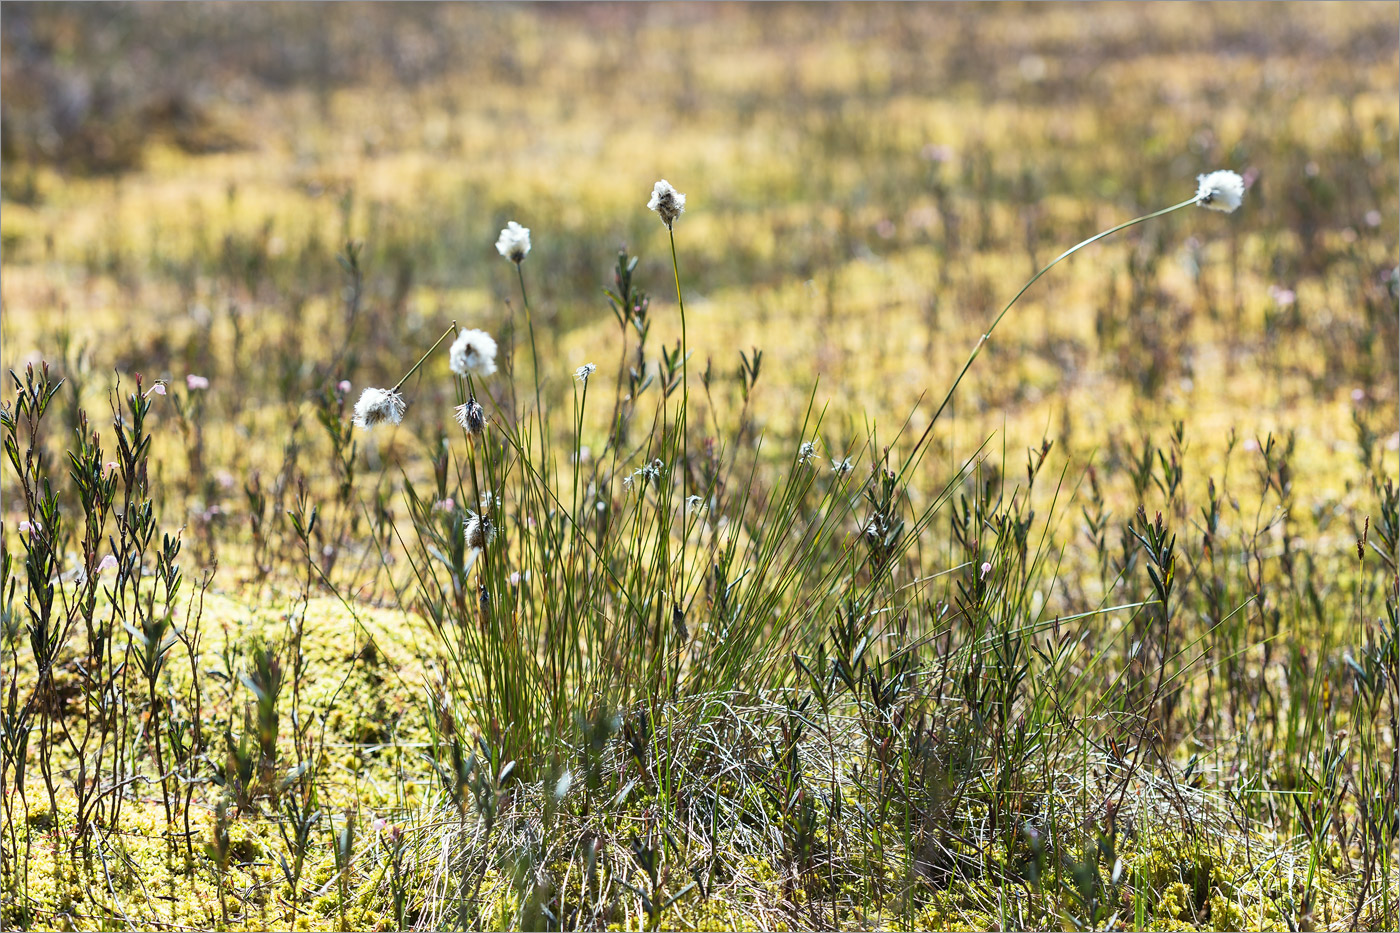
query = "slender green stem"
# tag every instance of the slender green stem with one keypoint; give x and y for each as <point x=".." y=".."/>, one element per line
<point x="424" y="357"/>
<point x="535" y="362"/>
<point x="982" y="341"/>
<point x="682" y="422"/>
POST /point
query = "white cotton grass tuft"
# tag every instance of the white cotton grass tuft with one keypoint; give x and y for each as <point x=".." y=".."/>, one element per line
<point x="1220" y="191"/>
<point x="473" y="353"/>
<point x="480" y="531"/>
<point x="842" y="467"/>
<point x="806" y="453"/>
<point x="377" y="406"/>
<point x="584" y="371"/>
<point x="649" y="472"/>
<point x="514" y="242"/>
<point x="666" y="201"/>
<point x="471" y="416"/>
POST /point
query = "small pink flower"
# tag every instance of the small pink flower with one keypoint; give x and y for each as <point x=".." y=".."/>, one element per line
<point x="158" y="389"/>
<point x="937" y="153"/>
<point x="378" y="824"/>
<point x="1358" y="395"/>
<point x="1282" y="296"/>
<point x="986" y="567"/>
<point x="515" y="578"/>
<point x="30" y="526"/>
<point x="1251" y="444"/>
<point x="195" y="383"/>
<point x="444" y="505"/>
<point x="1373" y="218"/>
<point x="107" y="563"/>
<point x="111" y="465"/>
<point x="343" y="386"/>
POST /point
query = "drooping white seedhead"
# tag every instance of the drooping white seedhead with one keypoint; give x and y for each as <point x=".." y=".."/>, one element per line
<point x="1220" y="191"/>
<point x="377" y="406"/>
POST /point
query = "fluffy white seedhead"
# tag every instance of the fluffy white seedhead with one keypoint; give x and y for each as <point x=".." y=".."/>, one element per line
<point x="473" y="353"/>
<point x="377" y="406"/>
<point x="584" y="371"/>
<point x="806" y="452"/>
<point x="480" y="530"/>
<point x="666" y="201"/>
<point x="842" y="467"/>
<point x="1220" y="191"/>
<point x="471" y="416"/>
<point x="514" y="242"/>
<point x="649" y="472"/>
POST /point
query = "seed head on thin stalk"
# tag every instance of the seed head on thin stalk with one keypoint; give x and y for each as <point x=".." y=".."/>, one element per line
<point x="473" y="353"/>
<point x="514" y="242"/>
<point x="667" y="202"/>
<point x="479" y="530"/>
<point x="670" y="204"/>
<point x="376" y="406"/>
<point x="1220" y="191"/>
<point x="471" y="416"/>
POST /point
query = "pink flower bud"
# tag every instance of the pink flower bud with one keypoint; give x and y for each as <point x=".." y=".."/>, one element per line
<point x="986" y="566"/>
<point x="108" y="562"/>
<point x="343" y="386"/>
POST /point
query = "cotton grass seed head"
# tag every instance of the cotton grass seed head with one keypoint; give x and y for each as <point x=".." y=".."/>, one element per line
<point x="1220" y="191"/>
<point x="806" y="452"/>
<point x="514" y="242"/>
<point x="471" y="416"/>
<point x="650" y="472"/>
<point x="842" y="467"/>
<point x="473" y="353"/>
<point x="666" y="201"/>
<point x="480" y="530"/>
<point x="584" y="371"/>
<point x="377" y="406"/>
